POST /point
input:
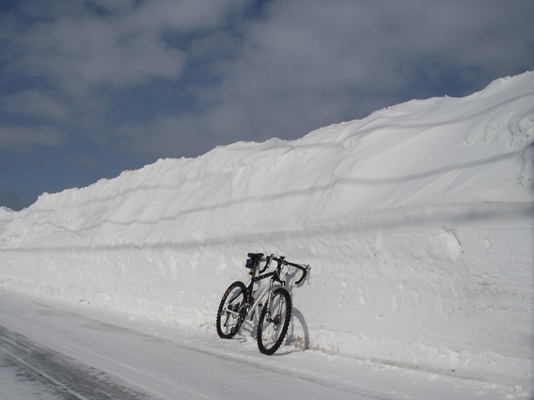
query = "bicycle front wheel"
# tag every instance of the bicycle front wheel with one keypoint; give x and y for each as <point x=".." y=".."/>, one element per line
<point x="274" y="321"/>
<point x="228" y="313"/>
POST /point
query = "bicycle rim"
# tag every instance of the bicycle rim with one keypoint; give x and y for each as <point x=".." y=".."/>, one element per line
<point x="274" y="322"/>
<point x="228" y="313"/>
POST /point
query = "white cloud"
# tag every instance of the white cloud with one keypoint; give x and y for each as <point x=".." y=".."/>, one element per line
<point x="299" y="65"/>
<point x="79" y="55"/>
<point x="80" y="49"/>
<point x="310" y="62"/>
<point x="183" y="16"/>
<point x="23" y="139"/>
<point x="35" y="103"/>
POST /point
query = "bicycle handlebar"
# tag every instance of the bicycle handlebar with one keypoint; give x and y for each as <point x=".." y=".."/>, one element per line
<point x="304" y="268"/>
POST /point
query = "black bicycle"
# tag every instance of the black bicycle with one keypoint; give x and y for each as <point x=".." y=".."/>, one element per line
<point x="240" y="302"/>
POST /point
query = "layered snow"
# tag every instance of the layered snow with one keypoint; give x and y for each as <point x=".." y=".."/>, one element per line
<point x="416" y="221"/>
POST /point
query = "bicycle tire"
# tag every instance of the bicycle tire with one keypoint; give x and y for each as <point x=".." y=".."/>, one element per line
<point x="274" y="322"/>
<point x="232" y="299"/>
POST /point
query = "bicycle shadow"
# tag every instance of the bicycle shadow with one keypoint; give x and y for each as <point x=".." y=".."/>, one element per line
<point x="298" y="335"/>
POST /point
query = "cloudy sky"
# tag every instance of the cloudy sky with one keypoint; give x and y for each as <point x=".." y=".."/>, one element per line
<point x="89" y="88"/>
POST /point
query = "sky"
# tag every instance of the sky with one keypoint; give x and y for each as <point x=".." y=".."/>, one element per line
<point x="90" y="88"/>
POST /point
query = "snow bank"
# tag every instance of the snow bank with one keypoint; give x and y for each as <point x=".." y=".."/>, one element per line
<point x="417" y="222"/>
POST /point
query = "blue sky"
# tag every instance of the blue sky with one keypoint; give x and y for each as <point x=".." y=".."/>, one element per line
<point x="89" y="88"/>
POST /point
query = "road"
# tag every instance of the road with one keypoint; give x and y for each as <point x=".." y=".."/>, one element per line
<point x="51" y="351"/>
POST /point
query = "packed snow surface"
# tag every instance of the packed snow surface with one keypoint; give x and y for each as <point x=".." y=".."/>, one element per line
<point x="51" y="350"/>
<point x="416" y="221"/>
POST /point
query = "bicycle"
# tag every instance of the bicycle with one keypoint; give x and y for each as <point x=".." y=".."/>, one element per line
<point x="240" y="302"/>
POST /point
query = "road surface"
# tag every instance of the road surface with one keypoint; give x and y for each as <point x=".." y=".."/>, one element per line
<point x="51" y="351"/>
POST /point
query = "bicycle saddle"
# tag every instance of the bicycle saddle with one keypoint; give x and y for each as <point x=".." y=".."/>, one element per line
<point x="255" y="256"/>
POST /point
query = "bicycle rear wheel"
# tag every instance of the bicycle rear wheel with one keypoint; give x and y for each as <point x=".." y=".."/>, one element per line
<point x="228" y="313"/>
<point x="274" y="321"/>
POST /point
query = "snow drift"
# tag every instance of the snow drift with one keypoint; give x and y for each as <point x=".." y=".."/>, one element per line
<point x="417" y="222"/>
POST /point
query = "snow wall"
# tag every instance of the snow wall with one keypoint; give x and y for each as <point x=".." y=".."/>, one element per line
<point x="417" y="222"/>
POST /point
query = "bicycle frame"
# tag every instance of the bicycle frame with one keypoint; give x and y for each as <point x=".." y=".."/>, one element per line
<point x="252" y="302"/>
<point x="275" y="278"/>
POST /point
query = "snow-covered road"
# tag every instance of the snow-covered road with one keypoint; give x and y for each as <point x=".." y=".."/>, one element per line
<point x="50" y="351"/>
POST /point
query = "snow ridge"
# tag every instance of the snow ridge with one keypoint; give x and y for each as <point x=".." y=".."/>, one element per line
<point x="417" y="221"/>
